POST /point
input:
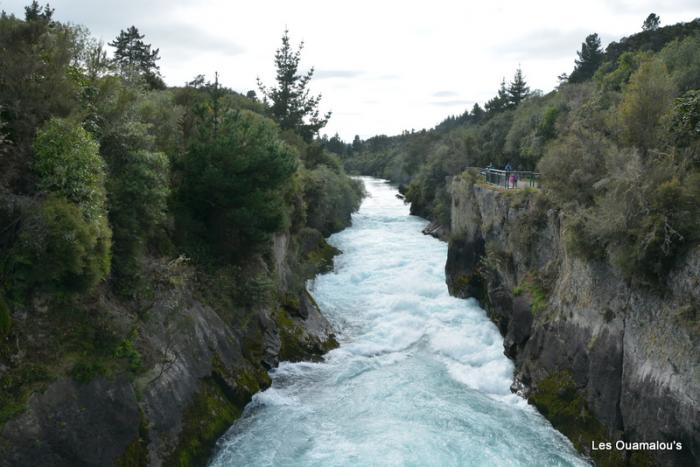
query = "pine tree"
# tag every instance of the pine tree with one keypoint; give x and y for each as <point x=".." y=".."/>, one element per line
<point x="518" y="89"/>
<point x="290" y="103"/>
<point x="501" y="102"/>
<point x="35" y="12"/>
<point x="651" y="23"/>
<point x="476" y="114"/>
<point x="589" y="59"/>
<point x="133" y="56"/>
<point x="356" y="144"/>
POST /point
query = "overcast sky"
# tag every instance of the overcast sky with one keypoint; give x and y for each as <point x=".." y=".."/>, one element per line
<point x="382" y="66"/>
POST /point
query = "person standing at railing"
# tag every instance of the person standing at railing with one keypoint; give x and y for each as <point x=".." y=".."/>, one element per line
<point x="508" y="168"/>
<point x="514" y="181"/>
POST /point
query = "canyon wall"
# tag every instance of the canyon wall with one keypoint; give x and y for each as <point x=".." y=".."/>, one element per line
<point x="602" y="359"/>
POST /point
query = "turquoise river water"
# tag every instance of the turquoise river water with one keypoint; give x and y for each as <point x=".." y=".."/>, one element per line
<point x="420" y="378"/>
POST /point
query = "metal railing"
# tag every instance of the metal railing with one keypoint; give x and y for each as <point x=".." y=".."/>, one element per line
<point x="510" y="179"/>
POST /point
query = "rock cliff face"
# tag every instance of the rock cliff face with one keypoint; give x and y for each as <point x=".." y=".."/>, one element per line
<point x="602" y="360"/>
<point x="202" y="365"/>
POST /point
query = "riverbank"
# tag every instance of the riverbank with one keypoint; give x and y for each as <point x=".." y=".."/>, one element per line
<point x="602" y="359"/>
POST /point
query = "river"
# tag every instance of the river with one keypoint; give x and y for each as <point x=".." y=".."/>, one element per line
<point x="420" y="378"/>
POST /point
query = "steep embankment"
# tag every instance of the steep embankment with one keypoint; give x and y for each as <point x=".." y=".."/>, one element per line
<point x="196" y="364"/>
<point x="603" y="360"/>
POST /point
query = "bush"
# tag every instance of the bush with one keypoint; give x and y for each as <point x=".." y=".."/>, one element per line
<point x="68" y="164"/>
<point x="572" y="165"/>
<point x="646" y="99"/>
<point x="330" y="199"/>
<point x="59" y="248"/>
<point x="683" y="61"/>
<point x="685" y="121"/>
<point x="644" y="215"/>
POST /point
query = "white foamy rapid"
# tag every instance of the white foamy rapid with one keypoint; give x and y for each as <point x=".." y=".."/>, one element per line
<point x="419" y="379"/>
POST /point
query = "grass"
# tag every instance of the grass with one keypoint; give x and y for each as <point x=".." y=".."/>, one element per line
<point x="535" y="291"/>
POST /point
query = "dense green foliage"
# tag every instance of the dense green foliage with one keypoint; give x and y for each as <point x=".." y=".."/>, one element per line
<point x="59" y="248"/>
<point x="115" y="190"/>
<point x="68" y="164"/>
<point x="618" y="147"/>
<point x="234" y="182"/>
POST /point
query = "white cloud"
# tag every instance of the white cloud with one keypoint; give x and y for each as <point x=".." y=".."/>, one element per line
<point x="378" y="64"/>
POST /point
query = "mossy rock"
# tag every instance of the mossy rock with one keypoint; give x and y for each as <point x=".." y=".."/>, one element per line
<point x="560" y="401"/>
<point x="136" y="453"/>
<point x="537" y="295"/>
<point x="208" y="416"/>
<point x="291" y="335"/>
<point x="321" y="257"/>
<point x="469" y="285"/>
<point x="294" y="344"/>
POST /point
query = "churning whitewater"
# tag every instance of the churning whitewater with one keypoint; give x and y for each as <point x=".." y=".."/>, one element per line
<point x="419" y="379"/>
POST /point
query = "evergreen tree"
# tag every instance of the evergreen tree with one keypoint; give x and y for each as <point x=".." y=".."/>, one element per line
<point x="502" y="100"/>
<point x="357" y="144"/>
<point x="290" y="103"/>
<point x="336" y="145"/>
<point x="651" y="23"/>
<point x="589" y="59"/>
<point x="134" y="56"/>
<point x="477" y="113"/>
<point x="35" y="12"/>
<point x="518" y="89"/>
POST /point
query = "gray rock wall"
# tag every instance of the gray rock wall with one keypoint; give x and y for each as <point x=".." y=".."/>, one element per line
<point x="632" y="352"/>
<point x="202" y="366"/>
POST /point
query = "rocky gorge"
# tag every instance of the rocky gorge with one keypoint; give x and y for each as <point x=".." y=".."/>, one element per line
<point x="604" y="360"/>
<point x="200" y="364"/>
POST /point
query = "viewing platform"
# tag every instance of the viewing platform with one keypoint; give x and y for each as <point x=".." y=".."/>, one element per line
<point x="503" y="178"/>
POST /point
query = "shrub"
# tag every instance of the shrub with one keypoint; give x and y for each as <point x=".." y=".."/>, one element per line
<point x="58" y="247"/>
<point x="573" y="164"/>
<point x="330" y="199"/>
<point x="68" y="164"/>
<point x="646" y="99"/>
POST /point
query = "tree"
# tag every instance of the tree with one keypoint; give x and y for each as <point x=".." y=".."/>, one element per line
<point x="35" y="12"/>
<point x="65" y="241"/>
<point x="133" y="56"/>
<point x="518" y="89"/>
<point x="501" y="101"/>
<point x="35" y="84"/>
<point x="647" y="98"/>
<point x="68" y="164"/>
<point x="685" y="122"/>
<point x="336" y="145"/>
<point x="138" y="195"/>
<point x="651" y="23"/>
<point x="589" y="59"/>
<point x="356" y="144"/>
<point x="476" y="114"/>
<point x="58" y="247"/>
<point x="290" y="103"/>
<point x="234" y="183"/>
